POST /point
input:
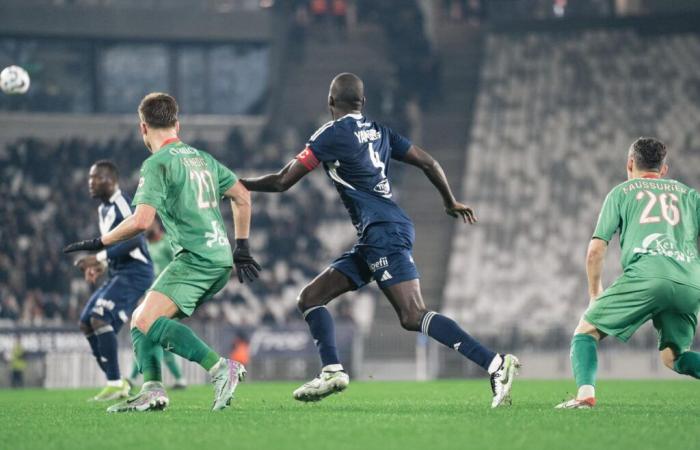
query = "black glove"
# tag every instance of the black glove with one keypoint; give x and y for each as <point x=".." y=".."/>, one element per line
<point x="245" y="264"/>
<point x="89" y="245"/>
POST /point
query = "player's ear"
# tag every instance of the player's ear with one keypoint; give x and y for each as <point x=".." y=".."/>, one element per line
<point x="364" y="100"/>
<point x="144" y="128"/>
<point x="331" y="101"/>
<point x="177" y="127"/>
<point x="664" y="170"/>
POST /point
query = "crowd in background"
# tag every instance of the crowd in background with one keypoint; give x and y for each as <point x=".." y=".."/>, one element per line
<point x="45" y="184"/>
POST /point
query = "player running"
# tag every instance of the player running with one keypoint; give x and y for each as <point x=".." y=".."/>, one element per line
<point x="184" y="186"/>
<point x="130" y="274"/>
<point x="658" y="220"/>
<point x="161" y="253"/>
<point x="355" y="152"/>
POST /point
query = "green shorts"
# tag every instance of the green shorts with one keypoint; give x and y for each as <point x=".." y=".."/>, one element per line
<point x="630" y="301"/>
<point x="189" y="281"/>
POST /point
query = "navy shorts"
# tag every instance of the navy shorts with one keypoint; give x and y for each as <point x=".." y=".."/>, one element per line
<point x="115" y="300"/>
<point x="383" y="253"/>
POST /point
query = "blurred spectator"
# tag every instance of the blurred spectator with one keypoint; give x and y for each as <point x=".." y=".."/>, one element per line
<point x="18" y="364"/>
<point x="240" y="349"/>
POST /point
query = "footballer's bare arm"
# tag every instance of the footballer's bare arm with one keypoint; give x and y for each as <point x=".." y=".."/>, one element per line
<point x="432" y="169"/>
<point x="130" y="227"/>
<point x="595" y="256"/>
<point x="280" y="181"/>
<point x="241" y="208"/>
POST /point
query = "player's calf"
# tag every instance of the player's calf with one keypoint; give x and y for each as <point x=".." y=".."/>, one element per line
<point x="687" y="363"/>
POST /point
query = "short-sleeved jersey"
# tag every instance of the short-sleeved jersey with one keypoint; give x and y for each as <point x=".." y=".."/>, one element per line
<point x="355" y="153"/>
<point x="658" y="221"/>
<point x="161" y="253"/>
<point x="130" y="256"/>
<point x="184" y="185"/>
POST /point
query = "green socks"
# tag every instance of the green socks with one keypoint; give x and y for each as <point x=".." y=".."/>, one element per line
<point x="168" y="359"/>
<point x="584" y="359"/>
<point x="172" y="364"/>
<point x="688" y="363"/>
<point x="182" y="341"/>
<point x="148" y="355"/>
<point x="134" y="370"/>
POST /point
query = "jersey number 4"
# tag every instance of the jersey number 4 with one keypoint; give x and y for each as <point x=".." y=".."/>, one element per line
<point x="206" y="192"/>
<point x="669" y="208"/>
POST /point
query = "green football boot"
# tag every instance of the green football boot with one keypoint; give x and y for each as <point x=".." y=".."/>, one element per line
<point x="110" y="393"/>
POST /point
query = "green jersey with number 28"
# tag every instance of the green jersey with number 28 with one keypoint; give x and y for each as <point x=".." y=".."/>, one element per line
<point x="184" y="185"/>
<point x="658" y="224"/>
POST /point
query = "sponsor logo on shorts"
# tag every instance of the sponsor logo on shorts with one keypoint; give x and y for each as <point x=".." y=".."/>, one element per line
<point x="101" y="304"/>
<point x="386" y="276"/>
<point x="382" y="263"/>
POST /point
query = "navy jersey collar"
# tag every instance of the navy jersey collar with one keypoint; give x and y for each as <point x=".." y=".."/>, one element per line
<point x="354" y="116"/>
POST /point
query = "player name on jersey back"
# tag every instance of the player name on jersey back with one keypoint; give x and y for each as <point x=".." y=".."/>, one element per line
<point x="658" y="221"/>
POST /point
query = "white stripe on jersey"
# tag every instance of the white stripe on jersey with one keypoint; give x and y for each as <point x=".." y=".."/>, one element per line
<point x="138" y="254"/>
<point x="123" y="206"/>
<point x="106" y="220"/>
<point x="320" y="130"/>
<point x="334" y="175"/>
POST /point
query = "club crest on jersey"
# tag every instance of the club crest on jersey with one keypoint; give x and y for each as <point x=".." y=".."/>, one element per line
<point x="384" y="188"/>
<point x="382" y="263"/>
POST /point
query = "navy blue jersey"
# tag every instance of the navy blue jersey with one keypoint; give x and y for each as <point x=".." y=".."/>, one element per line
<point x="355" y="153"/>
<point x="129" y="256"/>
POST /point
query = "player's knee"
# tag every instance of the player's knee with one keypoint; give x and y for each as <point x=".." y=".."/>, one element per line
<point x="306" y="299"/>
<point x="410" y="320"/>
<point x="141" y="321"/>
<point x="668" y="358"/>
<point x="584" y="327"/>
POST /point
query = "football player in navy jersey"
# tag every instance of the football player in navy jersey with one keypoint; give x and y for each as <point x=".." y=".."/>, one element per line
<point x="355" y="153"/>
<point x="130" y="273"/>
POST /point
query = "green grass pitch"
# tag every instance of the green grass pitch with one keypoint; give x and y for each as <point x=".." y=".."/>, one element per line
<point x="369" y="415"/>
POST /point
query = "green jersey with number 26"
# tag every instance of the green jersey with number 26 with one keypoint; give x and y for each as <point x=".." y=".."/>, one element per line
<point x="658" y="224"/>
<point x="184" y="185"/>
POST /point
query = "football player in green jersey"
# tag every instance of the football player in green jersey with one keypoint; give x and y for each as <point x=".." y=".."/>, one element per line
<point x="161" y="254"/>
<point x="183" y="185"/>
<point x="659" y="221"/>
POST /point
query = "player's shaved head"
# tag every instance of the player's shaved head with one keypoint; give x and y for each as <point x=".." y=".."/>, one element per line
<point x="347" y="92"/>
<point x="109" y="168"/>
<point x="648" y="154"/>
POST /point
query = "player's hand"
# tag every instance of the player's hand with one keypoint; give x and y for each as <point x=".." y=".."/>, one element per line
<point x="246" y="266"/>
<point x="90" y="245"/>
<point x="461" y="210"/>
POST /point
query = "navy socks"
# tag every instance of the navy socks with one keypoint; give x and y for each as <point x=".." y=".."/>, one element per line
<point x="447" y="332"/>
<point x="323" y="331"/>
<point x="107" y="342"/>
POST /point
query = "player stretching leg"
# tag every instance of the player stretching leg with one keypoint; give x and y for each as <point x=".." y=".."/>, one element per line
<point x="130" y="274"/>
<point x="658" y="223"/>
<point x="161" y="253"/>
<point x="184" y="186"/>
<point x="355" y="152"/>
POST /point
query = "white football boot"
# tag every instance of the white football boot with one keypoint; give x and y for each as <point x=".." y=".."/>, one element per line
<point x="502" y="380"/>
<point x="331" y="380"/>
